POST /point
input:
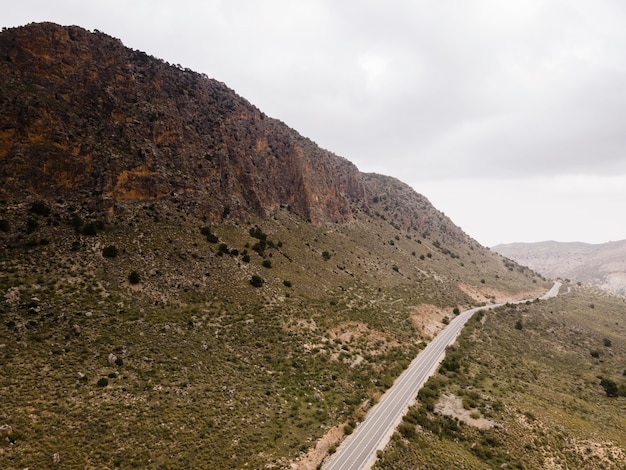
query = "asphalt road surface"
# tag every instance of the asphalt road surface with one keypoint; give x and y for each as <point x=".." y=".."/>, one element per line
<point x="358" y="451"/>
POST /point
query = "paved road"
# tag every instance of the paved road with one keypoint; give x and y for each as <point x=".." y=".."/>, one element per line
<point x="358" y="451"/>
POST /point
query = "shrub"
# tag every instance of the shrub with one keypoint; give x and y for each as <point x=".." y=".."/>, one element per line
<point x="40" y="208"/>
<point x="518" y="325"/>
<point x="347" y="429"/>
<point x="456" y="311"/>
<point x="607" y="342"/>
<point x="407" y="430"/>
<point x="210" y="237"/>
<point x="134" y="277"/>
<point x="4" y="225"/>
<point x="90" y="228"/>
<point x="256" y="280"/>
<point x="109" y="251"/>
<point x="31" y="225"/>
<point x="103" y="382"/>
<point x="610" y="387"/>
<point x="595" y="354"/>
<point x="267" y="263"/>
<point x="445" y="320"/>
<point x="326" y="255"/>
<point x="245" y="258"/>
<point x="287" y="283"/>
<point x="223" y="249"/>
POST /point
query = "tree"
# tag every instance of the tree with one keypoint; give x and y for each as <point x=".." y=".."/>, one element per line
<point x="134" y="277"/>
<point x="256" y="280"/>
<point x="109" y="251"/>
<point x="610" y="387"/>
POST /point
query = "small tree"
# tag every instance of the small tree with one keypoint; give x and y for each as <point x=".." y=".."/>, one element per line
<point x="109" y="251"/>
<point x="134" y="277"/>
<point x="40" y="208"/>
<point x="256" y="280"/>
<point x="610" y="387"/>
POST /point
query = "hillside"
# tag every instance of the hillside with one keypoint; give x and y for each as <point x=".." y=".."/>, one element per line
<point x="600" y="265"/>
<point x="533" y="386"/>
<point x="188" y="283"/>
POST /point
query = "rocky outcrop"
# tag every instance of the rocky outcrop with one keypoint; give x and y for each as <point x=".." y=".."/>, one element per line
<point x="84" y="118"/>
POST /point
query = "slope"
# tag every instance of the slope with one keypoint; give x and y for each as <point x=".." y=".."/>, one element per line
<point x="190" y="283"/>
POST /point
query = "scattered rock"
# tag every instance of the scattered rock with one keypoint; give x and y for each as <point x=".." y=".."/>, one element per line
<point x="12" y="296"/>
<point x="112" y="359"/>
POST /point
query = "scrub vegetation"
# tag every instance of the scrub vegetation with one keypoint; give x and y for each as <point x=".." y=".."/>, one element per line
<point x="550" y="402"/>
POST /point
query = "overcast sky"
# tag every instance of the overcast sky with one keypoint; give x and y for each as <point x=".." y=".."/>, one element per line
<point x="510" y="116"/>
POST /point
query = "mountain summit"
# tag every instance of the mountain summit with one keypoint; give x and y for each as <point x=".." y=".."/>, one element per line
<point x="85" y="117"/>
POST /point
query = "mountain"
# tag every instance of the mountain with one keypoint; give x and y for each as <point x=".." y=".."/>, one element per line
<point x="188" y="283"/>
<point x="599" y="265"/>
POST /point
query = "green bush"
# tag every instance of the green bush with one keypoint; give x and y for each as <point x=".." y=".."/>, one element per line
<point x="610" y="387"/>
<point x="210" y="236"/>
<point x="326" y="255"/>
<point x="134" y="277"/>
<point x="256" y="280"/>
<point x="267" y="263"/>
<point x="103" y="382"/>
<point x="40" y="208"/>
<point x="109" y="251"/>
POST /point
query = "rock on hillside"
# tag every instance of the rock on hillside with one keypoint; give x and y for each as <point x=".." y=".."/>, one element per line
<point x="83" y="117"/>
<point x="599" y="265"/>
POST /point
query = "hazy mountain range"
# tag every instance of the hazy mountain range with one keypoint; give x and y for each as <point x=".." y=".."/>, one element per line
<point x="599" y="265"/>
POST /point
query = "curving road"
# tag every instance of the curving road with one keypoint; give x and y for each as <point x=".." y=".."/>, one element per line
<point x="358" y="450"/>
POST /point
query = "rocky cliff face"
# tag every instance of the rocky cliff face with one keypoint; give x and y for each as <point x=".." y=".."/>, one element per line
<point x="83" y="117"/>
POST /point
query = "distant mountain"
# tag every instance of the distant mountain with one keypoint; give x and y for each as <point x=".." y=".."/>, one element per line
<point x="599" y="265"/>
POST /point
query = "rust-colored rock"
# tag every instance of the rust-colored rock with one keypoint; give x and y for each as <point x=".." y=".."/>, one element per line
<point x="84" y="118"/>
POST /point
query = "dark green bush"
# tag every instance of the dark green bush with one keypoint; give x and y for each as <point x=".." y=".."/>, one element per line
<point x="256" y="280"/>
<point x="134" y="277"/>
<point x="103" y="382"/>
<point x="40" y="208"/>
<point x="109" y="251"/>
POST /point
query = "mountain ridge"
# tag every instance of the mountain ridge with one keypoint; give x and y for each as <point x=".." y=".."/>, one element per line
<point x="600" y="265"/>
<point x="169" y="133"/>
<point x="189" y="283"/>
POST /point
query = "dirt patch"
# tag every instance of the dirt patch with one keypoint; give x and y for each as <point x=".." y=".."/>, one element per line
<point x="315" y="456"/>
<point x="489" y="295"/>
<point x="451" y="405"/>
<point x="427" y="319"/>
<point x="373" y="341"/>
